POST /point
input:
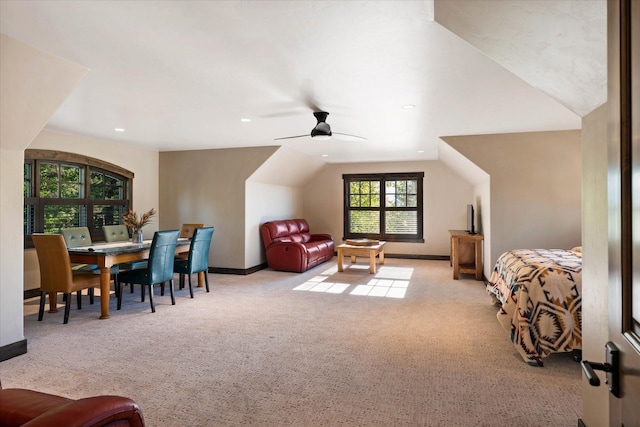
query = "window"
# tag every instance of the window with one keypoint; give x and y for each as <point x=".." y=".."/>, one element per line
<point x="383" y="206"/>
<point x="68" y="190"/>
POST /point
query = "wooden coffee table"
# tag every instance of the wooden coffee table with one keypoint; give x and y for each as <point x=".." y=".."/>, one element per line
<point x="356" y="251"/>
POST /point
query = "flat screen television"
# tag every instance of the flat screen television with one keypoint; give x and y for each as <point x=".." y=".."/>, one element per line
<point x="470" y="220"/>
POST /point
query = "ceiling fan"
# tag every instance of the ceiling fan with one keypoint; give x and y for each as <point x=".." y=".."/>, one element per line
<point x="322" y="130"/>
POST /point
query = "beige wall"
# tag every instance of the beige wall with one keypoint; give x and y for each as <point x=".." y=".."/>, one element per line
<point x="535" y="188"/>
<point x="208" y="186"/>
<point x="595" y="314"/>
<point x="446" y="196"/>
<point x="234" y="191"/>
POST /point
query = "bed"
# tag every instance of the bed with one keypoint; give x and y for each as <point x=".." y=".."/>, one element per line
<point x="540" y="296"/>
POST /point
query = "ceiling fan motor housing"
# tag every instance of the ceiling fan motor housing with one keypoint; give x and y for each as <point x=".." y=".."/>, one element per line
<point x="322" y="128"/>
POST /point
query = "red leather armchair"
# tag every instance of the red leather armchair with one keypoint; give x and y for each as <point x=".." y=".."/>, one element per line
<point x="29" y="408"/>
<point x="291" y="247"/>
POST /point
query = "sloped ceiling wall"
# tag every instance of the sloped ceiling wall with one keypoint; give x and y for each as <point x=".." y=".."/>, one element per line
<point x="531" y="39"/>
<point x="33" y="85"/>
<point x="287" y="167"/>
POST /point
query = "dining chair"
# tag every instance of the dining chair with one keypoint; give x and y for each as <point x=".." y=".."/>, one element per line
<point x="79" y="236"/>
<point x="159" y="269"/>
<point x="56" y="274"/>
<point x="198" y="257"/>
<point x="186" y="232"/>
<point x="120" y="233"/>
<point x="116" y="233"/>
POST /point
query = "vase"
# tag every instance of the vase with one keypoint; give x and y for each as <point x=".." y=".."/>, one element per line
<point x="137" y="236"/>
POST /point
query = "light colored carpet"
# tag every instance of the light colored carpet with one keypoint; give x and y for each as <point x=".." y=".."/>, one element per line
<point x="283" y="349"/>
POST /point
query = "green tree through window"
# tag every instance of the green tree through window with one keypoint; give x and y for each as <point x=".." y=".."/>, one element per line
<point x="57" y="193"/>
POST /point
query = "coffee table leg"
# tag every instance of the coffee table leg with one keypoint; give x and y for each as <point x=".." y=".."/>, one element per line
<point x="372" y="262"/>
<point x="381" y="257"/>
<point x="340" y="267"/>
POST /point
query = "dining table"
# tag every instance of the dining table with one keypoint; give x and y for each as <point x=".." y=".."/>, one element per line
<point x="106" y="255"/>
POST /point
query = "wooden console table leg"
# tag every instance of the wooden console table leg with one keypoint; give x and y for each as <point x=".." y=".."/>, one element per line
<point x="478" y="247"/>
<point x="456" y="261"/>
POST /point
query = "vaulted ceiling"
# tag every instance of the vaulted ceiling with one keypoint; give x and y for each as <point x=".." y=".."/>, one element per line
<point x="180" y="75"/>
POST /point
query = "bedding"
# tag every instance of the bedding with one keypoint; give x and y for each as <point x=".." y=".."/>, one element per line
<point x="540" y="295"/>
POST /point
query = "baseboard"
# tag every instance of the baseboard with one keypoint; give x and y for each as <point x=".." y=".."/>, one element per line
<point x="12" y="350"/>
<point x="31" y="293"/>
<point x="246" y="271"/>
<point x="426" y="257"/>
<point x="238" y="271"/>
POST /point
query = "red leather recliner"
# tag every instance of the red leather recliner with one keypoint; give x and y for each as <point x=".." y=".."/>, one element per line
<point x="29" y="408"/>
<point x="291" y="247"/>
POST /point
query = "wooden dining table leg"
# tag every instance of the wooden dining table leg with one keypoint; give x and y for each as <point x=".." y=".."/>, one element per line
<point x="201" y="279"/>
<point x="105" y="291"/>
<point x="53" y="302"/>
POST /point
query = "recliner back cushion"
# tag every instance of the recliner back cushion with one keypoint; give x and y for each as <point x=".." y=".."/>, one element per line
<point x="289" y="230"/>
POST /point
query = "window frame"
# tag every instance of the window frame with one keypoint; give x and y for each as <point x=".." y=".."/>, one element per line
<point x="32" y="199"/>
<point x="418" y="237"/>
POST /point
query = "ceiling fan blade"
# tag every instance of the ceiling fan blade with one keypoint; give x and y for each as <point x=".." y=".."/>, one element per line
<point x="350" y="136"/>
<point x="291" y="137"/>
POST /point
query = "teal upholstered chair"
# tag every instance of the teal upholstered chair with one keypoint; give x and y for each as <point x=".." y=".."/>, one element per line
<point x="80" y="236"/>
<point x="159" y="269"/>
<point x="198" y="258"/>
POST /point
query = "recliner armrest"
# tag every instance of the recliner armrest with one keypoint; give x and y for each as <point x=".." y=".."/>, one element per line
<point x="92" y="411"/>
<point x="320" y="236"/>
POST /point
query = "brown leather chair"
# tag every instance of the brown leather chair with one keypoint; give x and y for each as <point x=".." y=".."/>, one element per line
<point x="31" y="408"/>
<point x="56" y="275"/>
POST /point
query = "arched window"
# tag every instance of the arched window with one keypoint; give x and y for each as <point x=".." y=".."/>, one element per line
<point x="70" y="190"/>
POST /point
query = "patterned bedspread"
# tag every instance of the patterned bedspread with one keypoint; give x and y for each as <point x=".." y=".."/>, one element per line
<point x="540" y="292"/>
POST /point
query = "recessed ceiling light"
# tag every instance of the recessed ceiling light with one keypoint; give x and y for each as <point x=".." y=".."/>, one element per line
<point x="119" y="129"/>
<point x="245" y="120"/>
<point x="408" y="106"/>
<point x="325" y="155"/>
<point x="420" y="151"/>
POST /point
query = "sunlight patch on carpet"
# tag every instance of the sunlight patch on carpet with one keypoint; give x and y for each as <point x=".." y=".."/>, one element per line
<point x="389" y="282"/>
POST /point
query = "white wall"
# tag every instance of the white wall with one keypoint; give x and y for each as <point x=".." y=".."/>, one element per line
<point x="595" y="255"/>
<point x="266" y="202"/>
<point x="482" y="202"/>
<point x="11" y="243"/>
<point x="33" y="84"/>
<point x="446" y="195"/>
<point x="481" y="183"/>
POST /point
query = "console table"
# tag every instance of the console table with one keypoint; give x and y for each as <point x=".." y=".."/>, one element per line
<point x="466" y="253"/>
